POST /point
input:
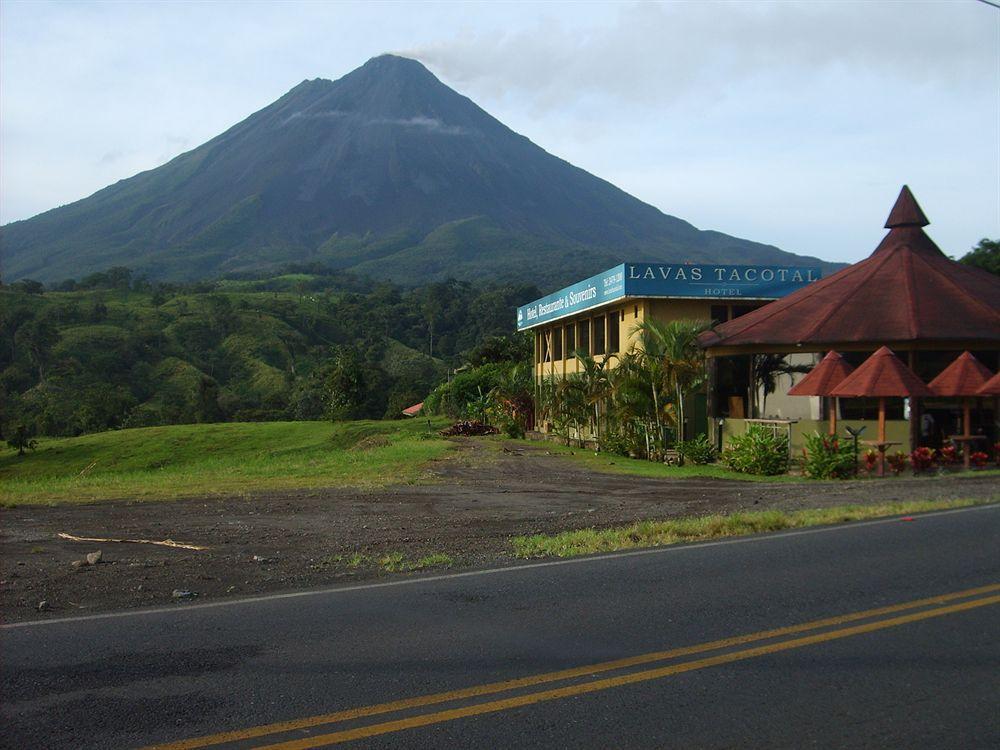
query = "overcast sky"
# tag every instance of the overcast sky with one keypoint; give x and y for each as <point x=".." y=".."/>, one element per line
<point x="788" y="123"/>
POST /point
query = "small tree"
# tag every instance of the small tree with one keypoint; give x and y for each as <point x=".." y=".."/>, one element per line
<point x="21" y="440"/>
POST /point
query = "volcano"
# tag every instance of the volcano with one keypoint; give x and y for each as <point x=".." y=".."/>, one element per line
<point x="386" y="172"/>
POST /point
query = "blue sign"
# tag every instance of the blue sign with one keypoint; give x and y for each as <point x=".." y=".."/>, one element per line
<point x="678" y="280"/>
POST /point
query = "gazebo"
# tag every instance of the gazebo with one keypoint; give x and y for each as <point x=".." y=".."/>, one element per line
<point x="964" y="378"/>
<point x="907" y="295"/>
<point x="821" y="381"/>
<point x="883" y="375"/>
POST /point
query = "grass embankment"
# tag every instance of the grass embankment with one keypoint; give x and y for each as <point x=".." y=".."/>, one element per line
<point x="660" y="533"/>
<point x="214" y="459"/>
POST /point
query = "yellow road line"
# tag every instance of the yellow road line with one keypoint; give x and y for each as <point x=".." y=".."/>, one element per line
<point x="539" y="679"/>
<point x="613" y="682"/>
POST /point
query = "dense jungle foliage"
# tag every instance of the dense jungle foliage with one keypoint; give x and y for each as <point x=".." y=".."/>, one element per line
<point x="113" y="351"/>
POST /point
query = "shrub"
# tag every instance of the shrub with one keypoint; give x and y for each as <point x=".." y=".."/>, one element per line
<point x="978" y="459"/>
<point x="897" y="462"/>
<point x="948" y="456"/>
<point x="697" y="451"/>
<point x="871" y="460"/>
<point x="758" y="451"/>
<point x="923" y="459"/>
<point x="825" y="457"/>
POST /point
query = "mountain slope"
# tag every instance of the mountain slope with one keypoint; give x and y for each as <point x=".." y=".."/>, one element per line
<point x="386" y="171"/>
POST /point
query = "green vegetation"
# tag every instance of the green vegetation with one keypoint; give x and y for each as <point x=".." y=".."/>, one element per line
<point x="828" y="457"/>
<point x="759" y="450"/>
<point x="985" y="255"/>
<point x="609" y="463"/>
<point x="114" y="351"/>
<point x="698" y="451"/>
<point x="391" y="562"/>
<point x="630" y="403"/>
<point x="182" y="460"/>
<point x="660" y="533"/>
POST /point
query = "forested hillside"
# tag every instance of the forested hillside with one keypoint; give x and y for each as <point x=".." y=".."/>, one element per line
<point x="111" y="351"/>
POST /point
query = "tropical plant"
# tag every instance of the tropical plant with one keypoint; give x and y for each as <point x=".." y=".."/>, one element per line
<point x="826" y="457"/>
<point x="676" y="363"/>
<point x="923" y="459"/>
<point x="697" y="451"/>
<point x="595" y="387"/>
<point x="897" y="462"/>
<point x="871" y="460"/>
<point x="767" y="372"/>
<point x="511" y="404"/>
<point x="978" y="459"/>
<point x="758" y="451"/>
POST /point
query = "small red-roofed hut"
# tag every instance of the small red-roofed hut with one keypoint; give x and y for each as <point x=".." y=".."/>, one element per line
<point x="882" y="375"/>
<point x="821" y="381"/>
<point x="991" y="387"/>
<point x="964" y="378"/>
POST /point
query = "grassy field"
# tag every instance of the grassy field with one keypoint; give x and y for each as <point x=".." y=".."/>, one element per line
<point x="212" y="459"/>
<point x="697" y="529"/>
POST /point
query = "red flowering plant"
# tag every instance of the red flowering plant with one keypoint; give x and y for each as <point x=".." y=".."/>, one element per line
<point x="979" y="459"/>
<point x="948" y="456"/>
<point x="922" y="459"/>
<point x="871" y="460"/>
<point x="897" y="462"/>
<point x="996" y="453"/>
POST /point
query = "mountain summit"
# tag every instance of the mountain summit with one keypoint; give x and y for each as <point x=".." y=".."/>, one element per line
<point x="387" y="172"/>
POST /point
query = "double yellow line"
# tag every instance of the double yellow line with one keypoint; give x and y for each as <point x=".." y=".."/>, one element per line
<point x="880" y="619"/>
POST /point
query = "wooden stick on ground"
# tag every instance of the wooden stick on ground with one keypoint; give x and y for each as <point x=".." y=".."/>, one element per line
<point x="164" y="543"/>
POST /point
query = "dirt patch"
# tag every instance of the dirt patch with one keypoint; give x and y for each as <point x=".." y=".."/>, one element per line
<point x="477" y="498"/>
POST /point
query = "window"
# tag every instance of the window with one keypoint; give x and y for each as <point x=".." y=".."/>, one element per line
<point x="599" y="324"/>
<point x="613" y="332"/>
<point x="739" y="310"/>
<point x="557" y="343"/>
<point x="570" y="340"/>
<point x="546" y="338"/>
<point x="719" y="313"/>
<point x="583" y="336"/>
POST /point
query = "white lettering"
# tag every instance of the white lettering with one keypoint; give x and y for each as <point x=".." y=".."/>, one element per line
<point x="681" y="274"/>
<point x="696" y="274"/>
<point x="797" y="276"/>
<point x="767" y="275"/>
<point x="748" y="277"/>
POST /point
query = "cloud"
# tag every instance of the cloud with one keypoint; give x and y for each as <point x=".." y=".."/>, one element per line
<point x="659" y="53"/>
<point x="430" y="124"/>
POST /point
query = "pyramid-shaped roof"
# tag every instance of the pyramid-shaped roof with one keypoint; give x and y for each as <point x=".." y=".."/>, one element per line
<point x="992" y="387"/>
<point x="906" y="291"/>
<point x="824" y="377"/>
<point x="963" y="377"/>
<point x="882" y="374"/>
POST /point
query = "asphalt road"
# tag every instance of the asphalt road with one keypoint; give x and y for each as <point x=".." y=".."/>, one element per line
<point x="884" y="634"/>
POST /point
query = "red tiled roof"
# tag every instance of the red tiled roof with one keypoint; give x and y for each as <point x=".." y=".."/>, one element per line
<point x="882" y="374"/>
<point x="907" y="290"/>
<point x="412" y="411"/>
<point x="824" y="377"/>
<point x="992" y="387"/>
<point x="963" y="377"/>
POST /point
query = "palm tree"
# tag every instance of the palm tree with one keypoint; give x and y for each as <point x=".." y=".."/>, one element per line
<point x="767" y="371"/>
<point x="593" y="382"/>
<point x="676" y="361"/>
